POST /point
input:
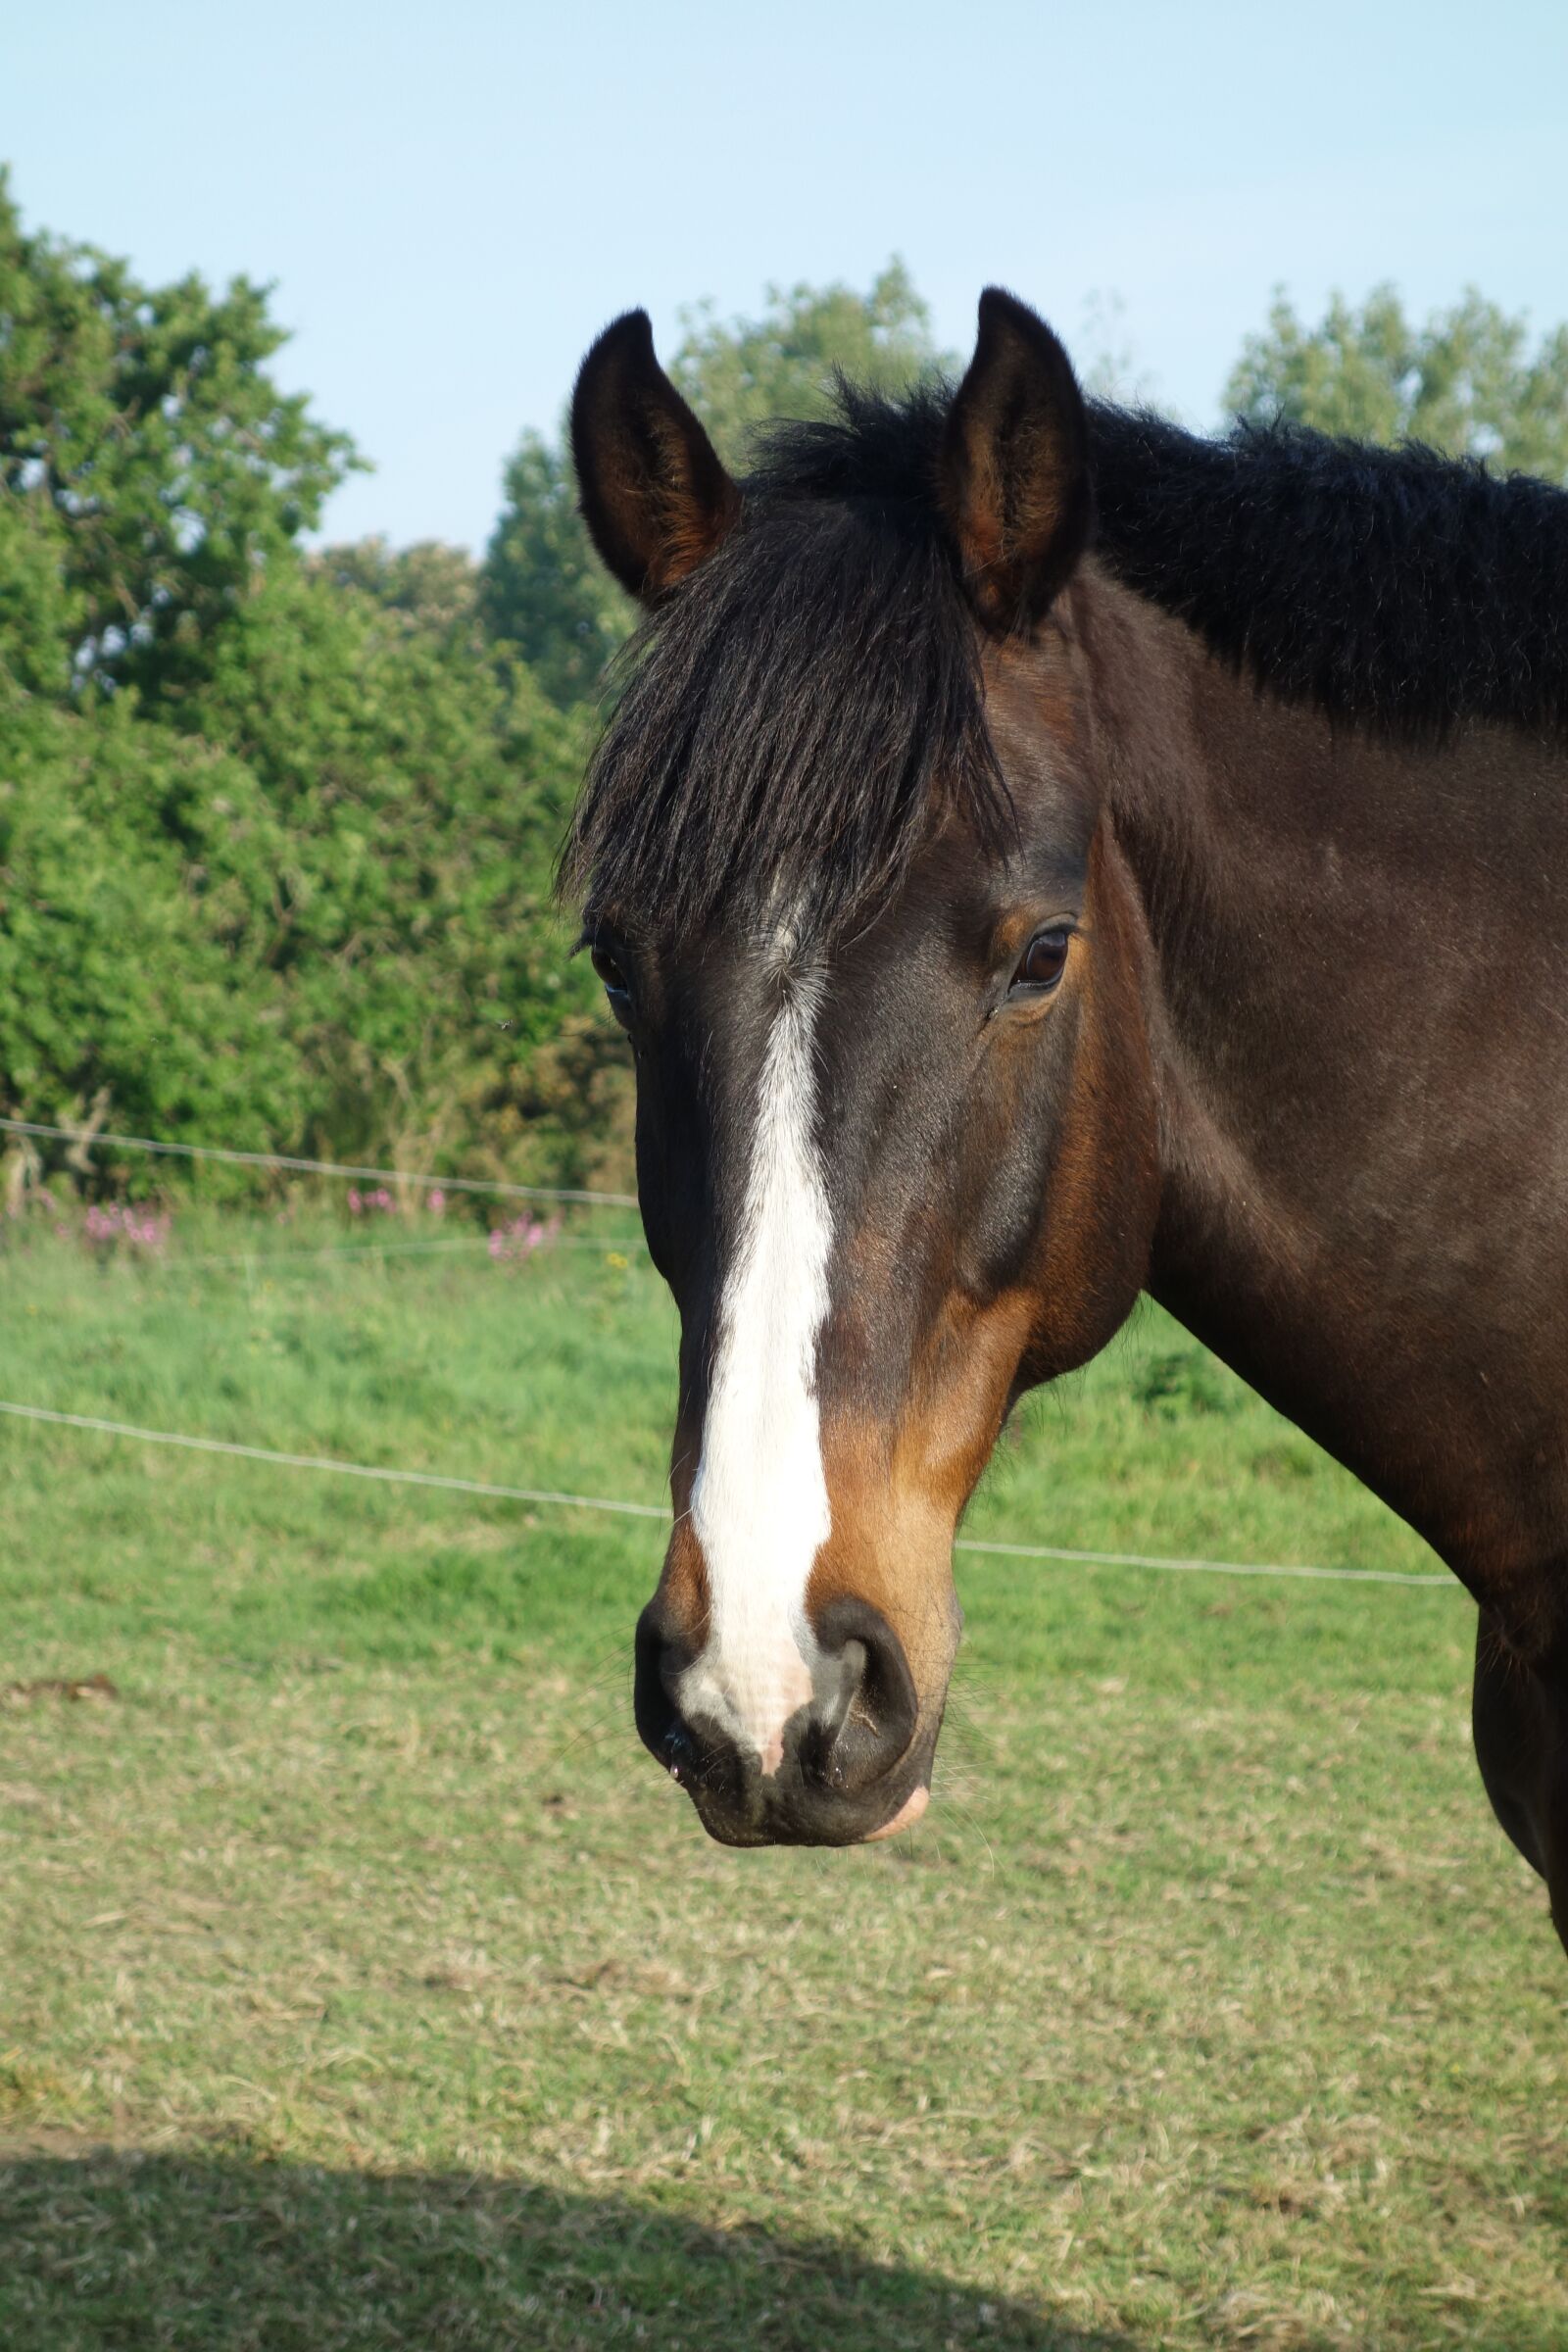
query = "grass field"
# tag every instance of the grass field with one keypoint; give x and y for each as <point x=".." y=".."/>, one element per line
<point x="363" y="1985"/>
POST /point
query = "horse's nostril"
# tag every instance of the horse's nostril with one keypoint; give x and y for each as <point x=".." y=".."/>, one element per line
<point x="658" y="1720"/>
<point x="867" y="1709"/>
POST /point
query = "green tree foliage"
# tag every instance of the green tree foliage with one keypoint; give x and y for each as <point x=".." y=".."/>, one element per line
<point x="1468" y="381"/>
<point x="275" y="830"/>
<point x="145" y="446"/>
<point x="430" y="586"/>
<point x="544" y="591"/>
<point x="741" y="373"/>
<point x="422" y="788"/>
<point x="135" y="877"/>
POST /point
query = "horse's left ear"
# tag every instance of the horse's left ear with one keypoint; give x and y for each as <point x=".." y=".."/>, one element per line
<point x="1015" y="470"/>
<point x="655" y="495"/>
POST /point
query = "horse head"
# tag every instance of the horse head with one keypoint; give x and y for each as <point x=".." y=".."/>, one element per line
<point x="849" y="891"/>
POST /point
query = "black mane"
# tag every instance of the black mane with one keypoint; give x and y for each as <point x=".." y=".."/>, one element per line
<point x="1389" y="587"/>
<point x="790" y="717"/>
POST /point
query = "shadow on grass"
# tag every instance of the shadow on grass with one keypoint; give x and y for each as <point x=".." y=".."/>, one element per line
<point x="114" y="2251"/>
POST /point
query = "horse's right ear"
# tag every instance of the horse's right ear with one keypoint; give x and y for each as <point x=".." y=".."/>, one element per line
<point x="1014" y="479"/>
<point x="655" y="495"/>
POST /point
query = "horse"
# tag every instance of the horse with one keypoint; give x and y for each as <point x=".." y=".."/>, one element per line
<point x="1037" y="857"/>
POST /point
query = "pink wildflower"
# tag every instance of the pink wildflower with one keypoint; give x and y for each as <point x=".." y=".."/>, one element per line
<point x="512" y="1242"/>
<point x="120" y="1222"/>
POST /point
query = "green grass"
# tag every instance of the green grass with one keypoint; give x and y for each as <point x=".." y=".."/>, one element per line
<point x="363" y="1985"/>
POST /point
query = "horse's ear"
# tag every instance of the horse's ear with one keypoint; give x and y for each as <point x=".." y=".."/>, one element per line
<point x="655" y="495"/>
<point x="1015" y="470"/>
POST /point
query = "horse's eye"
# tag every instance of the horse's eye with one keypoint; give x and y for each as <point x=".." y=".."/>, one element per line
<point x="618" y="988"/>
<point x="1045" y="958"/>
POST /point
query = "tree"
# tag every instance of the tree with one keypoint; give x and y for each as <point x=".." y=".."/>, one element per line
<point x="546" y="592"/>
<point x="277" y="830"/>
<point x="418" y="789"/>
<point x="147" y="458"/>
<point x="741" y="373"/>
<point x="317" y="913"/>
<point x="430" y="586"/>
<point x="134" y="887"/>
<point x="1467" y="382"/>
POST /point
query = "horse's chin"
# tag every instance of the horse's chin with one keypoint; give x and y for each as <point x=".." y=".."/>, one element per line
<point x="908" y="1814"/>
<point x="783" y="1821"/>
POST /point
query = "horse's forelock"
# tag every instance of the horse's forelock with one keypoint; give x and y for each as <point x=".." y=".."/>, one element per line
<point x="793" y="719"/>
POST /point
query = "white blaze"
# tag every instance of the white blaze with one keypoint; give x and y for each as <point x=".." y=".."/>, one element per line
<point x="760" y="1506"/>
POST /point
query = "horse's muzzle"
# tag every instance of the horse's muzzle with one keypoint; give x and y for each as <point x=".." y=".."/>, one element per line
<point x="855" y="1759"/>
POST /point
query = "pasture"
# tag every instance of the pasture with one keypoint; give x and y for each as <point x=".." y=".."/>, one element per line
<point x="362" y="1982"/>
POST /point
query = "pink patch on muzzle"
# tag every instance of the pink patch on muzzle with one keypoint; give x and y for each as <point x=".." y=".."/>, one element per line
<point x="908" y="1814"/>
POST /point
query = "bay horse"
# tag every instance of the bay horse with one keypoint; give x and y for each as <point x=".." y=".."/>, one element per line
<point x="1039" y="856"/>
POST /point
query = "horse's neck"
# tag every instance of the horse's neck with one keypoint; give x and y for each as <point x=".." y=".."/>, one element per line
<point x="1357" y="1021"/>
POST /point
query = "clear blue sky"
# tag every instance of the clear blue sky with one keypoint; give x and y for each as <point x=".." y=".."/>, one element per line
<point x="453" y="198"/>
